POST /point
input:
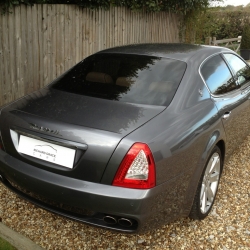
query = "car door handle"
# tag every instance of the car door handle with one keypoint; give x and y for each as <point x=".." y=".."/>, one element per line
<point x="226" y="115"/>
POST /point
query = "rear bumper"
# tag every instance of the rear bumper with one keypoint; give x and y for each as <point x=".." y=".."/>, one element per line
<point x="91" y="202"/>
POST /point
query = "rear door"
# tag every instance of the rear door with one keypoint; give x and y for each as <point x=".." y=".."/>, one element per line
<point x="230" y="97"/>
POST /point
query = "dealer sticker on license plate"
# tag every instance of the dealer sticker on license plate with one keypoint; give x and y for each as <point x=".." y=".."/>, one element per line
<point x="47" y="151"/>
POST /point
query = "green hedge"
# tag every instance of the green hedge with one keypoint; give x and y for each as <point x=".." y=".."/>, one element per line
<point x="222" y="25"/>
<point x="177" y="6"/>
<point x="245" y="42"/>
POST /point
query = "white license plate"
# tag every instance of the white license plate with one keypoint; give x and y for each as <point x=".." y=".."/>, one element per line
<point x="47" y="151"/>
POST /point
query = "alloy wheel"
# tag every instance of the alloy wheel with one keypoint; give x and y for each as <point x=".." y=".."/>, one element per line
<point x="210" y="183"/>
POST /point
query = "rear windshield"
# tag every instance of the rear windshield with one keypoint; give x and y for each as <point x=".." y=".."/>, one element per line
<point x="125" y="78"/>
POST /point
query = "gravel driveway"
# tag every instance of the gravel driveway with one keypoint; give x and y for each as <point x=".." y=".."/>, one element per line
<point x="228" y="226"/>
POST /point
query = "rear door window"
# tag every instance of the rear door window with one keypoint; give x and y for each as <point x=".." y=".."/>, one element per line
<point x="240" y="68"/>
<point x="218" y="77"/>
<point x="136" y="79"/>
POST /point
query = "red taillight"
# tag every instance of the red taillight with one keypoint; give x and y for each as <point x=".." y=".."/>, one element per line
<point x="137" y="169"/>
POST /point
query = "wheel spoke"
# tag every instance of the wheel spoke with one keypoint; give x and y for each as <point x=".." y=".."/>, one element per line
<point x="204" y="201"/>
<point x="214" y="164"/>
<point x="210" y="194"/>
<point x="202" y="191"/>
<point x="214" y="177"/>
<point x="209" y="166"/>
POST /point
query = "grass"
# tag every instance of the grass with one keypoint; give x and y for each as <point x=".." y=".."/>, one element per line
<point x="5" y="245"/>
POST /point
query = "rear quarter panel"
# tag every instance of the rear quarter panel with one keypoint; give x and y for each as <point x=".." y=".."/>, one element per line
<point x="181" y="139"/>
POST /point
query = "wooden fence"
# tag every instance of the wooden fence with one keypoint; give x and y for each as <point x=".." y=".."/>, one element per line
<point x="232" y="43"/>
<point x="39" y="43"/>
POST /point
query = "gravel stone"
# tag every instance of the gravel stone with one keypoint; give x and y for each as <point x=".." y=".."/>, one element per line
<point x="227" y="227"/>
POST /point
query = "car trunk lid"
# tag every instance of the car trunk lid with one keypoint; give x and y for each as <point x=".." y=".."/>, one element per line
<point x="92" y="127"/>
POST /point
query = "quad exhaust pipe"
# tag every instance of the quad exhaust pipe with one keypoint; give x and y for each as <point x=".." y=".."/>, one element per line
<point x="121" y="221"/>
<point x="110" y="220"/>
<point x="125" y="222"/>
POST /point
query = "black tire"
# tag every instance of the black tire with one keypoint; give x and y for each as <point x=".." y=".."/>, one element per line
<point x="204" y="200"/>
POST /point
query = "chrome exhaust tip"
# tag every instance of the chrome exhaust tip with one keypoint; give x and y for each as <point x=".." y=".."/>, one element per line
<point x="125" y="222"/>
<point x="1" y="178"/>
<point x="110" y="220"/>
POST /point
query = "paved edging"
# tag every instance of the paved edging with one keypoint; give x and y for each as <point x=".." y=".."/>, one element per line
<point x="17" y="240"/>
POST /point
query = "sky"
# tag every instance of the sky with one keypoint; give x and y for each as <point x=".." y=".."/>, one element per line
<point x="235" y="2"/>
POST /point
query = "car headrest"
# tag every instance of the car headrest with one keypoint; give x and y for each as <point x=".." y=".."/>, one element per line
<point x="124" y="81"/>
<point x="99" y="77"/>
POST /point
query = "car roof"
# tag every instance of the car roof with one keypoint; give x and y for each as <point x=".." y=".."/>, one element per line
<point x="179" y="51"/>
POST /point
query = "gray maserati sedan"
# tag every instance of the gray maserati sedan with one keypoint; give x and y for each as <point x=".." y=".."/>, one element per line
<point x="131" y="137"/>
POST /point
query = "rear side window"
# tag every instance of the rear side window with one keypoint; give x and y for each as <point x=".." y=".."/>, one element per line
<point x="218" y="76"/>
<point x="125" y="78"/>
<point x="240" y="68"/>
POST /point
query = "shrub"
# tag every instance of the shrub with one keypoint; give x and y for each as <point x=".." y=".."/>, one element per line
<point x="222" y="25"/>
<point x="245" y="40"/>
<point x="176" y="6"/>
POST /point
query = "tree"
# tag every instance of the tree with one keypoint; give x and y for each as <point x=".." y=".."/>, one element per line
<point x="176" y="6"/>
